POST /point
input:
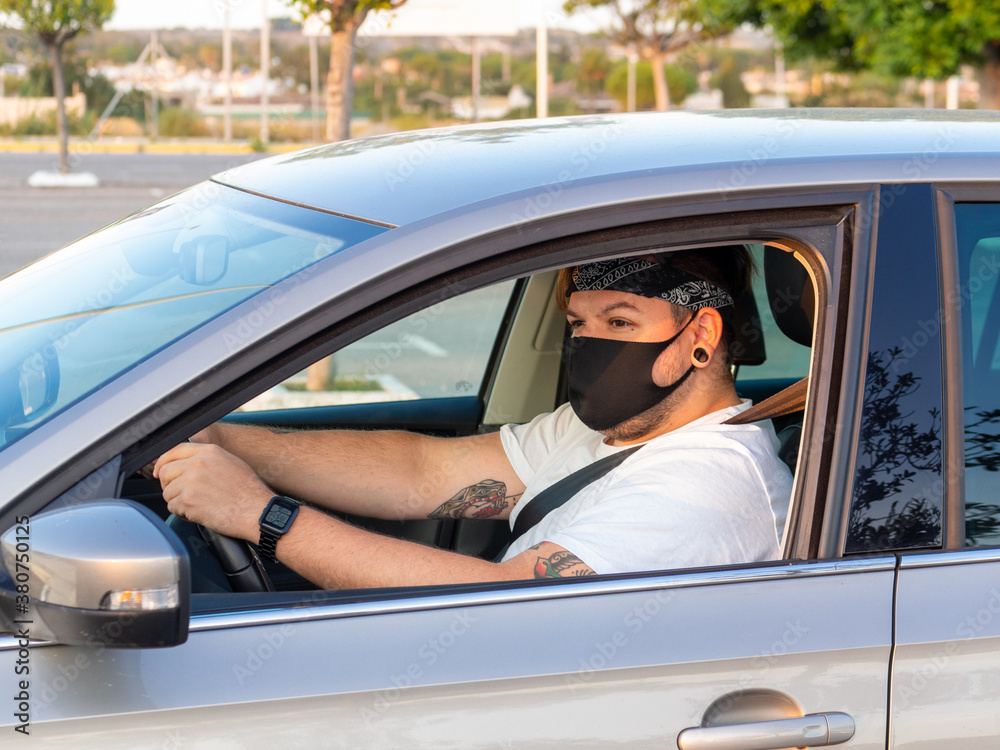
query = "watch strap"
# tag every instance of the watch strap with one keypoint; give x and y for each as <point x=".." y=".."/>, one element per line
<point x="268" y="544"/>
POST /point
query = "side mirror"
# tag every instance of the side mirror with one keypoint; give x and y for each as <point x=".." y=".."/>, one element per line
<point x="108" y="573"/>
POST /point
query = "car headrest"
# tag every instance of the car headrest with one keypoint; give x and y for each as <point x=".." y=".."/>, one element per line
<point x="748" y="340"/>
<point x="790" y="294"/>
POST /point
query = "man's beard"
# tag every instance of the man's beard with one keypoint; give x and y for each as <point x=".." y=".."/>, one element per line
<point x="645" y="422"/>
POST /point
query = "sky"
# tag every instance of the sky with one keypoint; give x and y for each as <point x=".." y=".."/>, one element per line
<point x="247" y="14"/>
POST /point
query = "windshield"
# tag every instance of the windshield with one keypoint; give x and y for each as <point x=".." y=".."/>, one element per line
<point x="82" y="316"/>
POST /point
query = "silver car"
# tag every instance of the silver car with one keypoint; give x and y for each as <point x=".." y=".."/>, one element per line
<point x="406" y="281"/>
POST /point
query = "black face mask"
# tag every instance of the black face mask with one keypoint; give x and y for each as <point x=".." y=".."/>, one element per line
<point x="611" y="381"/>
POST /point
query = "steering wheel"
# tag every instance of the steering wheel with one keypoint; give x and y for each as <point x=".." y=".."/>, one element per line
<point x="242" y="567"/>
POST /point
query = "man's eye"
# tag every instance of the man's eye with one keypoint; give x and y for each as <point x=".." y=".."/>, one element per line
<point x="575" y="323"/>
<point x="616" y="323"/>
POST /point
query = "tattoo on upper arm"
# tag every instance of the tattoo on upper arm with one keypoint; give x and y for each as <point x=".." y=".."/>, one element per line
<point x="562" y="564"/>
<point x="484" y="500"/>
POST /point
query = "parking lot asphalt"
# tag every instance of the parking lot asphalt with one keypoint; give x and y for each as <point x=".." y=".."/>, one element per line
<point x="36" y="221"/>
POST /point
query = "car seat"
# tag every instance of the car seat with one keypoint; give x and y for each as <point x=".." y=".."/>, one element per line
<point x="792" y="300"/>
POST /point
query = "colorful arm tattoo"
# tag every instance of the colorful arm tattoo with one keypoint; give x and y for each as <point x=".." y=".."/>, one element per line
<point x="484" y="500"/>
<point x="562" y="564"/>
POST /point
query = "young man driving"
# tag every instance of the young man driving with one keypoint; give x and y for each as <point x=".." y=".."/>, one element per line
<point x="648" y="364"/>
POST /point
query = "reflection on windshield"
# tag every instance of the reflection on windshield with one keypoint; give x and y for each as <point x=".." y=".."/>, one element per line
<point x="83" y="316"/>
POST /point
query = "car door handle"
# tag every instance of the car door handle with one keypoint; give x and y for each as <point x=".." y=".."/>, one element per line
<point x="813" y="730"/>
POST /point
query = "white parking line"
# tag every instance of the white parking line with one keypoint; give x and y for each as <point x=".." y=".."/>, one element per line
<point x="410" y="341"/>
<point x="427" y="346"/>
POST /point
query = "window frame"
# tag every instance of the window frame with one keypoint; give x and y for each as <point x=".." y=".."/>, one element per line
<point x="946" y="195"/>
<point x="825" y="224"/>
<point x="821" y="235"/>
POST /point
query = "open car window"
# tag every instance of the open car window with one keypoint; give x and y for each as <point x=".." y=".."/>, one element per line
<point x="442" y="351"/>
<point x="446" y="350"/>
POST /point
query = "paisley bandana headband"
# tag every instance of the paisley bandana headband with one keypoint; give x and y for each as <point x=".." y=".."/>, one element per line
<point x="649" y="279"/>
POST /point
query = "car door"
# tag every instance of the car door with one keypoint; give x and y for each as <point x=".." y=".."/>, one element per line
<point x="635" y="660"/>
<point x="945" y="684"/>
<point x="594" y="663"/>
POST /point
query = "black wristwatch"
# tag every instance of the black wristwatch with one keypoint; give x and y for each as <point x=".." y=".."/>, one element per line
<point x="274" y="523"/>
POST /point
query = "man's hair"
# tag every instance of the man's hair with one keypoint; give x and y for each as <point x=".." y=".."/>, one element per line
<point x="729" y="267"/>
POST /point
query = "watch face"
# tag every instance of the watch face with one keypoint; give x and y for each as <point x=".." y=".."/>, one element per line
<point x="278" y="516"/>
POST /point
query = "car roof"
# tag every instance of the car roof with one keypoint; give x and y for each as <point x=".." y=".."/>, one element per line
<point x="400" y="178"/>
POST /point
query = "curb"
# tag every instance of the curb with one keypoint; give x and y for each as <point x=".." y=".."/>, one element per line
<point x="157" y="147"/>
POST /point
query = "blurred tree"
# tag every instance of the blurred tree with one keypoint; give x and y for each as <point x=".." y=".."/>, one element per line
<point x="658" y="29"/>
<point x="345" y="18"/>
<point x="123" y="52"/>
<point x="680" y="83"/>
<point x="923" y="38"/>
<point x="593" y="72"/>
<point x="727" y="79"/>
<point x="295" y="62"/>
<point x="55" y="22"/>
<point x="210" y="56"/>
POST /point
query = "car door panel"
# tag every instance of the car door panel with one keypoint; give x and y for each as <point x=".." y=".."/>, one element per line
<point x="594" y="662"/>
<point x="443" y="416"/>
<point x="946" y="667"/>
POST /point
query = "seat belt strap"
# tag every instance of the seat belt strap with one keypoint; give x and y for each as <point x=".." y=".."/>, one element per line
<point x="787" y="401"/>
<point x="556" y="494"/>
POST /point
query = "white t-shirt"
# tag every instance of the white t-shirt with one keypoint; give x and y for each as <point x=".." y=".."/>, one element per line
<point x="703" y="494"/>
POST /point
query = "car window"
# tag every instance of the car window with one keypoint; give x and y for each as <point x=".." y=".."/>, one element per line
<point x="978" y="226"/>
<point x="897" y="494"/>
<point x="785" y="358"/>
<point x="442" y="351"/>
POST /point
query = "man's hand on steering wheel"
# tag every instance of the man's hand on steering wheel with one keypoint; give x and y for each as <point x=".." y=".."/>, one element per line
<point x="207" y="485"/>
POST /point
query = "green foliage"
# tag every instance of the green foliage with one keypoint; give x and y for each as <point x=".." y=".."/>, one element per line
<point x="98" y="89"/>
<point x="904" y="37"/>
<point x="294" y="62"/>
<point x="593" y="70"/>
<point x="123" y="52"/>
<point x="176" y="122"/>
<point x="344" y="14"/>
<point x="57" y="21"/>
<point x="257" y="144"/>
<point x="46" y="126"/>
<point x="665" y="26"/>
<point x="864" y="89"/>
<point x="727" y="80"/>
<point x="682" y="84"/>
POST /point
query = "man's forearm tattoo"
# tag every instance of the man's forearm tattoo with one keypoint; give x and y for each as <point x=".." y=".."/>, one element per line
<point x="483" y="500"/>
<point x="562" y="564"/>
